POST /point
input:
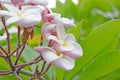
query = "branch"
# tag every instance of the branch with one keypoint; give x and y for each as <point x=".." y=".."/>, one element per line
<point x="3" y="50"/>
<point x="36" y="60"/>
<point x="26" y="72"/>
<point x="8" y="35"/>
<point x="46" y="70"/>
<point x="17" y="76"/>
<point x="18" y="56"/>
<point x="5" y="72"/>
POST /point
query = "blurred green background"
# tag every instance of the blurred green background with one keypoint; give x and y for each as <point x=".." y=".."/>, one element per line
<point x="97" y="31"/>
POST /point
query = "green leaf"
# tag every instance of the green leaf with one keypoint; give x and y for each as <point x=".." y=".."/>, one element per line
<point x="28" y="55"/>
<point x="4" y="65"/>
<point x="94" y="43"/>
<point x="111" y="76"/>
<point x="76" y="30"/>
<point x="101" y="66"/>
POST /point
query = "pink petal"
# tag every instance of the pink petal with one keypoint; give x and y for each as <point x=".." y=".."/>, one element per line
<point x="76" y="52"/>
<point x="11" y="8"/>
<point x="47" y="53"/>
<point x="67" y="22"/>
<point x="59" y="46"/>
<point x="28" y="21"/>
<point x="5" y="13"/>
<point x="16" y="1"/>
<point x="48" y="28"/>
<point x="69" y="37"/>
<point x="65" y="63"/>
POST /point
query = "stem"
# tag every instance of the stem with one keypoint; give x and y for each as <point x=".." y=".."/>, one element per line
<point x="26" y="72"/>
<point x="17" y="76"/>
<point x="8" y="35"/>
<point x="28" y="64"/>
<point x="5" y="72"/>
<point x="43" y="66"/>
<point x="18" y="35"/>
<point x="3" y="50"/>
<point x="19" y="54"/>
<point x="46" y="70"/>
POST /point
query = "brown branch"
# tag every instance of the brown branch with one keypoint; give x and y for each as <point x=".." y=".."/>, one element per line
<point x="5" y="72"/>
<point x="26" y="72"/>
<point x="17" y="76"/>
<point x="3" y="50"/>
<point x="43" y="66"/>
<point x="18" y="36"/>
<point x="36" y="60"/>
<point x="8" y="34"/>
<point x="18" y="56"/>
<point x="46" y="70"/>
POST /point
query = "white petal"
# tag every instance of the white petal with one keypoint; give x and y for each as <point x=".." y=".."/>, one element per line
<point x="65" y="63"/>
<point x="69" y="37"/>
<point x="60" y="30"/>
<point x="28" y="21"/>
<point x="53" y="15"/>
<point x="27" y="10"/>
<point x="5" y="13"/>
<point x="75" y="52"/>
<point x="47" y="53"/>
<point x="12" y="20"/>
<point x="67" y="22"/>
<point x="47" y="27"/>
<point x="11" y="8"/>
<point x="54" y="38"/>
<point x="63" y="46"/>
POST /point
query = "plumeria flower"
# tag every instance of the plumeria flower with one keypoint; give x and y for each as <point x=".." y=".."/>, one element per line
<point x="56" y="58"/>
<point x="52" y="21"/>
<point x="28" y="16"/>
<point x="56" y="18"/>
<point x="65" y="43"/>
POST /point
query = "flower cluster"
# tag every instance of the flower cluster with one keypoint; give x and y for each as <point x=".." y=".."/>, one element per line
<point x="62" y="48"/>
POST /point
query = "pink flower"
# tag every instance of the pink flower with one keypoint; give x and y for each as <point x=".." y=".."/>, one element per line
<point x="65" y="43"/>
<point x="56" y="58"/>
<point x="26" y="17"/>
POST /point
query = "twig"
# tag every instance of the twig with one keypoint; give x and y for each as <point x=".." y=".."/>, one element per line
<point x="5" y="72"/>
<point x="18" y="36"/>
<point x="15" y="50"/>
<point x="17" y="76"/>
<point x="19" y="54"/>
<point x="26" y="72"/>
<point x="46" y="70"/>
<point x="8" y="34"/>
<point x="28" y="64"/>
<point x="43" y="66"/>
<point x="3" y="50"/>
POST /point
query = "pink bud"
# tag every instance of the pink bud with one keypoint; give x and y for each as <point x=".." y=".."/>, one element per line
<point x="16" y="1"/>
<point x="44" y="13"/>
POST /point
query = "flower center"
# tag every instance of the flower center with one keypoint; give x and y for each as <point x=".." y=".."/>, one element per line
<point x="18" y="14"/>
<point x="58" y="53"/>
<point x="65" y="44"/>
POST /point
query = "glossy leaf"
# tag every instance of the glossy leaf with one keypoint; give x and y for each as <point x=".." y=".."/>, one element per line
<point x="101" y="66"/>
<point x="95" y="42"/>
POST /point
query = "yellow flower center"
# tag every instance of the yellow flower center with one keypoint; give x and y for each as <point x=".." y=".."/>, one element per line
<point x="18" y="14"/>
<point x="65" y="44"/>
<point x="58" y="53"/>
